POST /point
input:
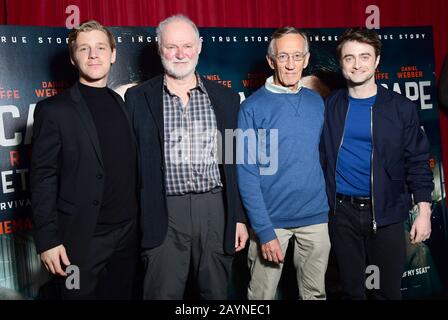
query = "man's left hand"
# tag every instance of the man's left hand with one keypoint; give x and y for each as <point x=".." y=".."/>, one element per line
<point x="241" y="236"/>
<point x="421" y="228"/>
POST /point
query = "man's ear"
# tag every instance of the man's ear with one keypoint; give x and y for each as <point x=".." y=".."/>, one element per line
<point x="377" y="62"/>
<point x="114" y="56"/>
<point x="307" y="59"/>
<point x="271" y="61"/>
<point x="199" y="46"/>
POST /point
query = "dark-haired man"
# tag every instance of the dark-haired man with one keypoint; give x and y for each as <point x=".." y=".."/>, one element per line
<point x="375" y="155"/>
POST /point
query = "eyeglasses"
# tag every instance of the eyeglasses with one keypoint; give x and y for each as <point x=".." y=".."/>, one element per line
<point x="284" y="57"/>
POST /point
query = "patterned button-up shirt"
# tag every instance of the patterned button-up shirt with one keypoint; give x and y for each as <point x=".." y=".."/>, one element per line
<point x="191" y="144"/>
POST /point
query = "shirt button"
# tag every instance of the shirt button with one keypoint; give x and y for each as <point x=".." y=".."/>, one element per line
<point x="99" y="176"/>
<point x="186" y="158"/>
<point x="95" y="202"/>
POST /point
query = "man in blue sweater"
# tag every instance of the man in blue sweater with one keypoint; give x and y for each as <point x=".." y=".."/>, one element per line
<point x="374" y="155"/>
<point x="285" y="197"/>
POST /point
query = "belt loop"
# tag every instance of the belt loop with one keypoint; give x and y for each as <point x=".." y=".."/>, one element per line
<point x="216" y="189"/>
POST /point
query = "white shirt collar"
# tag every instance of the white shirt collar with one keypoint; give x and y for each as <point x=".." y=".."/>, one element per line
<point x="271" y="86"/>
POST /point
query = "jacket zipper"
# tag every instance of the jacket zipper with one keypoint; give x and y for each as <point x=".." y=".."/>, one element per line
<point x="337" y="158"/>
<point x="371" y="172"/>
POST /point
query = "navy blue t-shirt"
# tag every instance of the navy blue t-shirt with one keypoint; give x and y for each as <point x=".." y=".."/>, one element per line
<point x="354" y="157"/>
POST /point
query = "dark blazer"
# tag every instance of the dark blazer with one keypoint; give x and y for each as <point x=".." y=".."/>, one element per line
<point x="400" y="163"/>
<point x="67" y="174"/>
<point x="145" y="107"/>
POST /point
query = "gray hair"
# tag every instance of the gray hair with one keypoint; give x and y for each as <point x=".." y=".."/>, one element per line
<point x="280" y="32"/>
<point x="177" y="17"/>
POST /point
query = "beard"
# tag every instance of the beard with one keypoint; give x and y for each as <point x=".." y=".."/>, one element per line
<point x="173" y="71"/>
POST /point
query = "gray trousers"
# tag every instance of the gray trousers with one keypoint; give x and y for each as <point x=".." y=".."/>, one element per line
<point x="194" y="243"/>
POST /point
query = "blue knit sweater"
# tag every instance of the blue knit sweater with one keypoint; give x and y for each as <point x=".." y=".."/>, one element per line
<point x="288" y="190"/>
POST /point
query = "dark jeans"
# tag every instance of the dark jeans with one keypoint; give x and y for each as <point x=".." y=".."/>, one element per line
<point x="356" y="247"/>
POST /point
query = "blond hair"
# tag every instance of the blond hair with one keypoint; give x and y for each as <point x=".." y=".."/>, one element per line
<point x="85" y="27"/>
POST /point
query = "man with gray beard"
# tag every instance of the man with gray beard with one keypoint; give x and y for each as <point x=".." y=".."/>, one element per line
<point x="192" y="219"/>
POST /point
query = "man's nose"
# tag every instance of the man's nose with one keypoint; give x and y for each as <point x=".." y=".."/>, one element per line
<point x="290" y="63"/>
<point x="93" y="53"/>
<point x="180" y="54"/>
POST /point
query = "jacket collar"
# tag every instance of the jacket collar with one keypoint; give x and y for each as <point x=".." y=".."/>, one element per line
<point x="87" y="120"/>
<point x="383" y="96"/>
<point x="154" y="97"/>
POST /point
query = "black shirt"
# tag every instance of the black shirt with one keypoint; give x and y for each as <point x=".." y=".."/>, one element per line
<point x="118" y="152"/>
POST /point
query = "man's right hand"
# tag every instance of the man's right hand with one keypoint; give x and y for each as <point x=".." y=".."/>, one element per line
<point x="52" y="258"/>
<point x="272" y="251"/>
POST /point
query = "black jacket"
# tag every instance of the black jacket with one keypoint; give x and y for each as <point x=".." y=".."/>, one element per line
<point x="400" y="153"/>
<point x="145" y="107"/>
<point x="67" y="174"/>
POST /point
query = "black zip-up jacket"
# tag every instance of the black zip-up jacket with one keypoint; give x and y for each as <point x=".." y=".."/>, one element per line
<point x="400" y="165"/>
